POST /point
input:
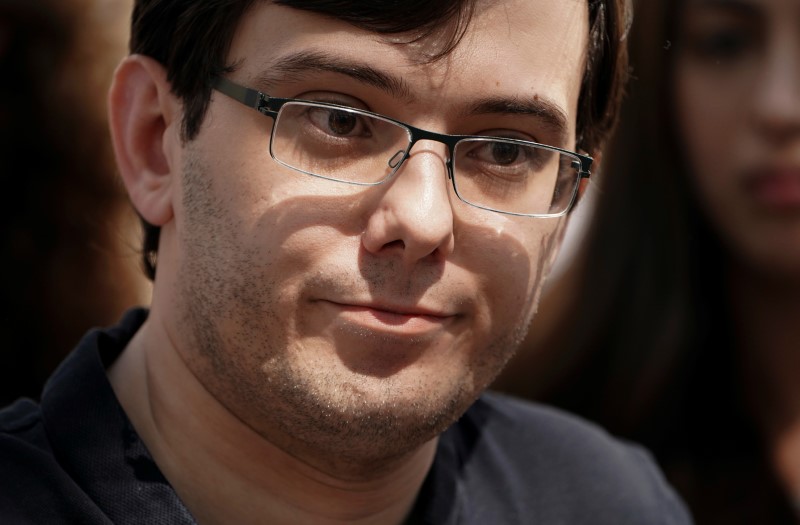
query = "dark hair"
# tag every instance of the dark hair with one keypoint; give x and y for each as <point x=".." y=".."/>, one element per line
<point x="171" y="32"/>
<point x="640" y="334"/>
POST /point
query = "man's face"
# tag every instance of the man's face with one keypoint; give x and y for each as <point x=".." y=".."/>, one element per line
<point x="362" y="321"/>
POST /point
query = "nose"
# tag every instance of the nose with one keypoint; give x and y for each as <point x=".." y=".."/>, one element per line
<point x="777" y="103"/>
<point x="412" y="217"/>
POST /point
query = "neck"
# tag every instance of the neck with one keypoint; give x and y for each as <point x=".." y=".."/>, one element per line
<point x="225" y="472"/>
<point x="767" y="320"/>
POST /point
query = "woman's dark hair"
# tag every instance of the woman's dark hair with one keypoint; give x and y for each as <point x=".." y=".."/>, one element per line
<point x="191" y="38"/>
<point x="641" y="333"/>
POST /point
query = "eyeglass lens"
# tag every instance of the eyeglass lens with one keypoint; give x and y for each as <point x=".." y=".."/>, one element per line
<point x="351" y="146"/>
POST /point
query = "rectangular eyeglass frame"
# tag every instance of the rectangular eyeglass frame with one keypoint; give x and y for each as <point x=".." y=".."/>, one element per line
<point x="271" y="106"/>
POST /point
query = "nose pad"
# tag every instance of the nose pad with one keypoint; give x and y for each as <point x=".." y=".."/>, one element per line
<point x="397" y="159"/>
<point x="412" y="216"/>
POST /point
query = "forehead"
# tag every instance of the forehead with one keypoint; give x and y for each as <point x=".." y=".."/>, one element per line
<point x="514" y="49"/>
<point x="763" y="9"/>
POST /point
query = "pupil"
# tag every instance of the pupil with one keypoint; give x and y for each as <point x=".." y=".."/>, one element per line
<point x="504" y="153"/>
<point x="341" y="122"/>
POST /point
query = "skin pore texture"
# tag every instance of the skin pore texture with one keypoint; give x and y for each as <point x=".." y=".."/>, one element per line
<point x="308" y="340"/>
<point x="738" y="94"/>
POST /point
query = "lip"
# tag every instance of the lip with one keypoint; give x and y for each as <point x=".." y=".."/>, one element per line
<point x="775" y="187"/>
<point x="391" y="318"/>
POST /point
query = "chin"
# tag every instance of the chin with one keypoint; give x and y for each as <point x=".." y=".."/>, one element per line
<point x="776" y="257"/>
<point x="364" y="415"/>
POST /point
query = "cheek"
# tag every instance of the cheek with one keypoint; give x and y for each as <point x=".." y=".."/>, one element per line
<point x="511" y="262"/>
<point x="709" y="127"/>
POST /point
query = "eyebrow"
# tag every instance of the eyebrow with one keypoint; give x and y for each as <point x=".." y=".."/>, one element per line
<point x="295" y="66"/>
<point x="548" y="112"/>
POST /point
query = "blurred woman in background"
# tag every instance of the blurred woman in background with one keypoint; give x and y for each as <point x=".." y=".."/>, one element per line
<point x="68" y="243"/>
<point x="678" y="322"/>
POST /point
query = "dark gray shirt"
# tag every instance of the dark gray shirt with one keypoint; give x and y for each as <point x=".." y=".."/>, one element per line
<point x="76" y="458"/>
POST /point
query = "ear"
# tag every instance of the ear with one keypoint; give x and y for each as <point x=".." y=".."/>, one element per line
<point x="145" y="126"/>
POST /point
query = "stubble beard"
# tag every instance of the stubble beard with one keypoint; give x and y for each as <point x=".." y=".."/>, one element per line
<point x="238" y="349"/>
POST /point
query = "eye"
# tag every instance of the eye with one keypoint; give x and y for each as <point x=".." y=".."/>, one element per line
<point x="723" y="45"/>
<point x="721" y="38"/>
<point x="338" y="122"/>
<point x="498" y="153"/>
<point x="501" y="153"/>
<point x="341" y="122"/>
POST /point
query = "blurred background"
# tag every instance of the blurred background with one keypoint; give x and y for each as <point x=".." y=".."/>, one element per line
<point x="675" y="321"/>
<point x="69" y="240"/>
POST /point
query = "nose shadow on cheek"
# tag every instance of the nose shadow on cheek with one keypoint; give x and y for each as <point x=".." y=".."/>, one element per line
<point x="297" y="213"/>
<point x="500" y="268"/>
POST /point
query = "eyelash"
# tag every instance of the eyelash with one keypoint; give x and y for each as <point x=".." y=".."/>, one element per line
<point x="334" y="98"/>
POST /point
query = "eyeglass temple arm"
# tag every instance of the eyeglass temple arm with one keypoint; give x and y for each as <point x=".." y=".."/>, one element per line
<point x="585" y="166"/>
<point x="249" y="97"/>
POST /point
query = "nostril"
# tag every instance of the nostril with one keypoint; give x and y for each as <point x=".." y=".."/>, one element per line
<point x="395" y="244"/>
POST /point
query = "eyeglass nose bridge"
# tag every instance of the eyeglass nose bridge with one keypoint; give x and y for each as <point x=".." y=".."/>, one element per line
<point x="417" y="135"/>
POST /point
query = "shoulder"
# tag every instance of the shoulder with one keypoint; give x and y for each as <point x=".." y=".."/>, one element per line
<point x="21" y="428"/>
<point x="54" y="455"/>
<point x="560" y="468"/>
<point x="521" y="424"/>
<point x="34" y="488"/>
<point x="542" y="433"/>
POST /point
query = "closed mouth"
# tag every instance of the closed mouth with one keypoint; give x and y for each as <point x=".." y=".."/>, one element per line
<point x="775" y="186"/>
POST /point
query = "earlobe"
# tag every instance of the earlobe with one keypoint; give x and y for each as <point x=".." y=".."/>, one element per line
<point x="144" y="120"/>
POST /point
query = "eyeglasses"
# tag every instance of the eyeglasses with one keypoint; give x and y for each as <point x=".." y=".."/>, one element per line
<point x="353" y="146"/>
